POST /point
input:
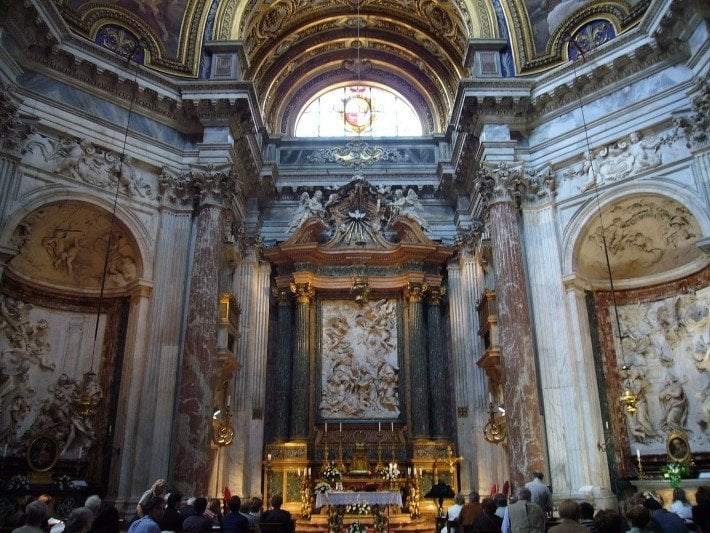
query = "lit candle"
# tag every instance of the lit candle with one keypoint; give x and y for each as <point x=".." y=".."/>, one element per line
<point x="341" y="427"/>
<point x="229" y="400"/>
<point x="379" y="426"/>
<point x="309" y="470"/>
<point x="638" y="455"/>
<point x="391" y="426"/>
<point x="326" y="427"/>
<point x="268" y="457"/>
<point x="490" y="397"/>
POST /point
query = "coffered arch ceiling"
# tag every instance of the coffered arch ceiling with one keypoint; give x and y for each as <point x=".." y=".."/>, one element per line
<point x="297" y="48"/>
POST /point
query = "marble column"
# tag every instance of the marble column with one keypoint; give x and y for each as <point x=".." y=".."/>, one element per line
<point x="300" y="386"/>
<point x="438" y="385"/>
<point x="418" y="379"/>
<point x="198" y="368"/>
<point x="242" y="470"/>
<point x="282" y="381"/>
<point x="498" y="184"/>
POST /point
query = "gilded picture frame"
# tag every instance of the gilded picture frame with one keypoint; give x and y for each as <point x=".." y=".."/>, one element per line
<point x="42" y="453"/>
<point x="678" y="447"/>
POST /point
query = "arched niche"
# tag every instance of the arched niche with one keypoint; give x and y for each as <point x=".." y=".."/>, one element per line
<point x="54" y="328"/>
<point x="63" y="246"/>
<point x="646" y="237"/>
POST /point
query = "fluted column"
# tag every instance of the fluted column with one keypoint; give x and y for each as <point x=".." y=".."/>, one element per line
<point x="438" y="389"/>
<point x="301" y="361"/>
<point x="282" y="382"/>
<point x="198" y="368"/>
<point x="498" y="185"/>
<point x="418" y="364"/>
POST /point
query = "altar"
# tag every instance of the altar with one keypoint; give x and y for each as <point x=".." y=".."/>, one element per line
<point x="348" y="497"/>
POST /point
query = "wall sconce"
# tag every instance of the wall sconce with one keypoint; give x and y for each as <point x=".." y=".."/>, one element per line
<point x="494" y="431"/>
<point x="222" y="430"/>
<point x="361" y="289"/>
<point x="89" y="396"/>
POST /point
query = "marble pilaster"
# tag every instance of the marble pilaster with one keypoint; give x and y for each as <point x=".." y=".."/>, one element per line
<point x="438" y="390"/>
<point x="559" y="375"/>
<point x="129" y="404"/>
<point x="214" y="187"/>
<point x="595" y="463"/>
<point x="419" y="382"/>
<point x="499" y="185"/>
<point x="282" y="381"/>
<point x="301" y="361"/>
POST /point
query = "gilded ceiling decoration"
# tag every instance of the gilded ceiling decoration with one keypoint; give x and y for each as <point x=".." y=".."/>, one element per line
<point x="416" y="47"/>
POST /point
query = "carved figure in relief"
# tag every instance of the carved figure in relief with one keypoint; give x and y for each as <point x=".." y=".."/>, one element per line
<point x="703" y="398"/>
<point x="675" y="405"/>
<point x="643" y="152"/>
<point x="408" y="205"/>
<point x="132" y="184"/>
<point x="639" y="422"/>
<point x="62" y="246"/>
<point x="307" y="207"/>
<point x="701" y="354"/>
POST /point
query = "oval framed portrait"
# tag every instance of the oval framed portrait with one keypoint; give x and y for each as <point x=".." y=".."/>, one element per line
<point x="678" y="447"/>
<point x="42" y="453"/>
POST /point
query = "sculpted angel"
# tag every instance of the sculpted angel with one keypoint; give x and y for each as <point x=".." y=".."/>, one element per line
<point x="675" y="405"/>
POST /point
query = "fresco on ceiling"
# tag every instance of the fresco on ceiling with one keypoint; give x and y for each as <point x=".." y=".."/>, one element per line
<point x="547" y="15"/>
<point x="164" y="17"/>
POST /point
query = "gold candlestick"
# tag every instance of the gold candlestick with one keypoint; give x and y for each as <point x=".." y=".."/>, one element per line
<point x="639" y="466"/>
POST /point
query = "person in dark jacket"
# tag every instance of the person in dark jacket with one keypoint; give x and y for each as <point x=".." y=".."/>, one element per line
<point x="172" y="520"/>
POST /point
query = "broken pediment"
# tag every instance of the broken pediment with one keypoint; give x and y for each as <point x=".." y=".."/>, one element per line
<point x="359" y="222"/>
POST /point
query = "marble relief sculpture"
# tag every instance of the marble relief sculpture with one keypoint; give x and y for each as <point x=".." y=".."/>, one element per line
<point x="33" y="400"/>
<point x="667" y="357"/>
<point x="407" y="206"/>
<point x="80" y="160"/>
<point x="620" y="160"/>
<point x="360" y="371"/>
<point x="675" y="405"/>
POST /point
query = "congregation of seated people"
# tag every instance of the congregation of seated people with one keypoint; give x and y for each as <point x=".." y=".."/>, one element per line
<point x="161" y="511"/>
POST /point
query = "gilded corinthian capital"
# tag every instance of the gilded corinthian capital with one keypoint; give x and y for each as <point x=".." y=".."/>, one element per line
<point x="414" y="291"/>
<point x="435" y="294"/>
<point x="215" y="185"/>
<point x="304" y="292"/>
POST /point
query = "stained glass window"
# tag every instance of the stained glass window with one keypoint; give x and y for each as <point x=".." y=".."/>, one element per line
<point x="358" y="110"/>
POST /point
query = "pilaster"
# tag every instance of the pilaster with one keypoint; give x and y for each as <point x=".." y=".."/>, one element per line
<point x="282" y="381"/>
<point x="438" y="392"/>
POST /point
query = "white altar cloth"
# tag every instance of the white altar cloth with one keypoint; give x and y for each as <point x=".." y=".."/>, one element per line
<point x="352" y="497"/>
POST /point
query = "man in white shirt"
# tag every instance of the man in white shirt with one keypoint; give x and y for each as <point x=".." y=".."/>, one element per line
<point x="541" y="494"/>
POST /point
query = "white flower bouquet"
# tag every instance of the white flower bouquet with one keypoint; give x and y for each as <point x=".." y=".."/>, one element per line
<point x="18" y="482"/>
<point x="390" y="472"/>
<point x="322" y="488"/>
<point x="358" y="508"/>
<point x="331" y="472"/>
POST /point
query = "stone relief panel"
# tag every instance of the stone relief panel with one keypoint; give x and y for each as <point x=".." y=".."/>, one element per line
<point x="643" y="237"/>
<point x="664" y="357"/>
<point x="43" y="354"/>
<point x="360" y="370"/>
<point x="65" y="245"/>
<point x="80" y="160"/>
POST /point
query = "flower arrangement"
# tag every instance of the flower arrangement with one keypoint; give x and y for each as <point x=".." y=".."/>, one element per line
<point x="390" y="472"/>
<point x="18" y="482"/>
<point x="331" y="472"/>
<point x="675" y="472"/>
<point x="63" y="482"/>
<point x="322" y="488"/>
<point x="356" y="527"/>
<point x="358" y="508"/>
